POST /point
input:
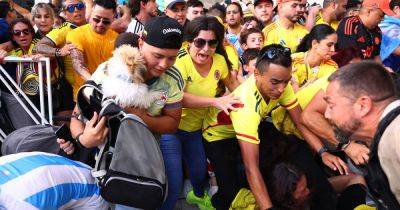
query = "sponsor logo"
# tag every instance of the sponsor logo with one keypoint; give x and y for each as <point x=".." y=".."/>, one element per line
<point x="171" y="30"/>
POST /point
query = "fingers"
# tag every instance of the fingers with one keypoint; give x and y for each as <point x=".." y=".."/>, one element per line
<point x="93" y="121"/>
<point x="67" y="147"/>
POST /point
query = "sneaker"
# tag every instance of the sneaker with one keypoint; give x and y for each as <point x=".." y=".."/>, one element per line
<point x="204" y="203"/>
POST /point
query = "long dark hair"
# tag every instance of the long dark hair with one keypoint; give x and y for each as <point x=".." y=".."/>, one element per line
<point x="208" y="23"/>
<point x="318" y="33"/>
<point x="24" y="21"/>
<point x="282" y="185"/>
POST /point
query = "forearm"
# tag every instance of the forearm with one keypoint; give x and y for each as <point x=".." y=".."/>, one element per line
<point x="79" y="64"/>
<point x="310" y="21"/>
<point x="193" y="101"/>
<point x="231" y="82"/>
<point x="76" y="125"/>
<point x="317" y="123"/>
<point x="45" y="47"/>
<point x="161" y="124"/>
<point x="314" y="142"/>
<point x="258" y="188"/>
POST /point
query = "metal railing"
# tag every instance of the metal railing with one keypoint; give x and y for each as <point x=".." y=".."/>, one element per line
<point x="11" y="85"/>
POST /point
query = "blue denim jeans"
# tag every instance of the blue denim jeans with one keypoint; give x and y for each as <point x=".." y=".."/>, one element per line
<point x="186" y="146"/>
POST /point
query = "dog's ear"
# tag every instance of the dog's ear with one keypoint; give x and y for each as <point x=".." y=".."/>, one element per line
<point x="137" y="77"/>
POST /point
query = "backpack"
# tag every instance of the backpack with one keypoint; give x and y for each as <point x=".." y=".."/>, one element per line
<point x="377" y="181"/>
<point x="129" y="166"/>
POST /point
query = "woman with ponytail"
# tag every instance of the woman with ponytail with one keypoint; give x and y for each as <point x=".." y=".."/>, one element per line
<point x="313" y="57"/>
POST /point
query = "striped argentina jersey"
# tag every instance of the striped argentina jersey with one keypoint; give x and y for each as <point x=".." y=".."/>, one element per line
<point x="36" y="180"/>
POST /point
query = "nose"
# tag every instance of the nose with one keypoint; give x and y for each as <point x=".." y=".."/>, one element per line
<point x="281" y="88"/>
<point x="163" y="63"/>
<point x="327" y="113"/>
<point x="42" y="19"/>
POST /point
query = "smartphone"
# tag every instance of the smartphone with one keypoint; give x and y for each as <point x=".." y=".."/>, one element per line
<point x="64" y="133"/>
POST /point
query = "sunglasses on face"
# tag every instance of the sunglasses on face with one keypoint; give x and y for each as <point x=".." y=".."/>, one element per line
<point x="103" y="21"/>
<point x="78" y="6"/>
<point x="273" y="53"/>
<point x="21" y="32"/>
<point x="200" y="43"/>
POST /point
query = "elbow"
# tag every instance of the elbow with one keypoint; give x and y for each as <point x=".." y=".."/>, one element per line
<point x="304" y="119"/>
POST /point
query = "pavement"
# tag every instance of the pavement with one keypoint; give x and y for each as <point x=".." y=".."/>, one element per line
<point x="182" y="205"/>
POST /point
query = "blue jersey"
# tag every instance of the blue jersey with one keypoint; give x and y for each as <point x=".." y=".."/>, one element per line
<point x="36" y="180"/>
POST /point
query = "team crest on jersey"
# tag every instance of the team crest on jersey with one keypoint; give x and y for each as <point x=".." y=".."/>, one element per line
<point x="217" y="75"/>
<point x="163" y="99"/>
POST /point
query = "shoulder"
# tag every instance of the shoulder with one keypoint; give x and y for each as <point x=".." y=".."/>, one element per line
<point x="331" y="63"/>
<point x="182" y="53"/>
<point x="347" y="25"/>
<point x="173" y="77"/>
<point x="270" y="27"/>
<point x="298" y="58"/>
<point x="300" y="28"/>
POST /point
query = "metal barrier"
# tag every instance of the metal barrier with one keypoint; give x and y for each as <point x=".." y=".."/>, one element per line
<point x="19" y="92"/>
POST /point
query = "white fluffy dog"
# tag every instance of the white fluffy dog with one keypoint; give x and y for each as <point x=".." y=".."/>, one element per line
<point x="124" y="79"/>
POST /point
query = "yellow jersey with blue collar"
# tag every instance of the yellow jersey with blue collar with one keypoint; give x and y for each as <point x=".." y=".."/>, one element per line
<point x="274" y="33"/>
<point x="192" y="118"/>
<point x="243" y="123"/>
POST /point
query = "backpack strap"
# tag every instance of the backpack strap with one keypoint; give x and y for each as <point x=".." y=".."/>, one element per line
<point x="87" y="106"/>
<point x="377" y="181"/>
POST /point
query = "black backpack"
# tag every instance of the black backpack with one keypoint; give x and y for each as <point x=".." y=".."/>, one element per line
<point x="377" y="181"/>
<point x="129" y="167"/>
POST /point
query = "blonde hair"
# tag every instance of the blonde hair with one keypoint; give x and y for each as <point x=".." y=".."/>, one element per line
<point x="47" y="7"/>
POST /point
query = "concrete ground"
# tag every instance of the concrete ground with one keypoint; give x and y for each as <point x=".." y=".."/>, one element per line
<point x="182" y="205"/>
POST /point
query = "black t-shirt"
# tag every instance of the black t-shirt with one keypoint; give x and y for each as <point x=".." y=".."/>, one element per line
<point x="352" y="33"/>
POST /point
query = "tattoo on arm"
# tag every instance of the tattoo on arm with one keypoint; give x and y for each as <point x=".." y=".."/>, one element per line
<point x="79" y="65"/>
<point x="45" y="47"/>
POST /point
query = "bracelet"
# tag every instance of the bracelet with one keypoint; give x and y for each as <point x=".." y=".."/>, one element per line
<point x="58" y="52"/>
<point x="322" y="150"/>
<point x="78" y="137"/>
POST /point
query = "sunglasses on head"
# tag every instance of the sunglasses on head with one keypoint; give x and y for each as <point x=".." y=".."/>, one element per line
<point x="273" y="53"/>
<point x="21" y="32"/>
<point x="103" y="21"/>
<point x="200" y="43"/>
<point x="78" y="6"/>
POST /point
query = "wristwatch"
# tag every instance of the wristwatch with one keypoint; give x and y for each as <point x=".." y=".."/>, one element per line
<point x="322" y="150"/>
<point x="77" y="139"/>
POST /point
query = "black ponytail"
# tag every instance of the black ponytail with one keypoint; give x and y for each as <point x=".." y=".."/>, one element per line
<point x="318" y="32"/>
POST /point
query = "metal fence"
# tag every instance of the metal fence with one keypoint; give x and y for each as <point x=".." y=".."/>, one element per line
<point x="17" y="92"/>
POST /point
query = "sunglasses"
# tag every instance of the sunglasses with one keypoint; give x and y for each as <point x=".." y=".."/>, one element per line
<point x="21" y="32"/>
<point x="78" y="6"/>
<point x="200" y="43"/>
<point x="103" y="21"/>
<point x="273" y="53"/>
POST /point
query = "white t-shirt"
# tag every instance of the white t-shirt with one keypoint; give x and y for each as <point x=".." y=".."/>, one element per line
<point x="135" y="26"/>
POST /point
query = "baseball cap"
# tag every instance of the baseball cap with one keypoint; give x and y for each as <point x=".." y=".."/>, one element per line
<point x="170" y="3"/>
<point x="163" y="32"/>
<point x="41" y="138"/>
<point x="255" y="2"/>
<point x="379" y="4"/>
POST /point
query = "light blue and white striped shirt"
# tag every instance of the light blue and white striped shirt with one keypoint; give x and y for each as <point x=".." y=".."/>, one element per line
<point x="37" y="180"/>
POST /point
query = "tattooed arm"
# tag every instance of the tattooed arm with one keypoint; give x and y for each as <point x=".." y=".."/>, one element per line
<point x="47" y="48"/>
<point x="78" y="62"/>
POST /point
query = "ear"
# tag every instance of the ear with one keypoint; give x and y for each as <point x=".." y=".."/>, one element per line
<point x="314" y="43"/>
<point x="142" y="4"/>
<point x="363" y="105"/>
<point x="244" y="46"/>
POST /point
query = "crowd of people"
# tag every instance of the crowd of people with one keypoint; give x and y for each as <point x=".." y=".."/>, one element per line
<point x="265" y="104"/>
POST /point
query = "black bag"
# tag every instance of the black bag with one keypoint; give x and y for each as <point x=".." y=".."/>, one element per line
<point x="377" y="181"/>
<point x="129" y="167"/>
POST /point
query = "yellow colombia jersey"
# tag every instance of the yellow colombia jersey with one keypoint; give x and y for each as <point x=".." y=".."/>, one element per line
<point x="192" y="119"/>
<point x="233" y="55"/>
<point x="281" y="118"/>
<point x="302" y="72"/>
<point x="274" y="33"/>
<point x="320" y="20"/>
<point x="19" y="52"/>
<point x="96" y="49"/>
<point x="243" y="123"/>
<point x="59" y="36"/>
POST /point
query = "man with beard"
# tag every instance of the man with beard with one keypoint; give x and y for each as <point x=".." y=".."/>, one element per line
<point x="176" y="9"/>
<point x="263" y="11"/>
<point x="141" y="11"/>
<point x="285" y="30"/>
<point x="361" y="104"/>
<point x="332" y="12"/>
